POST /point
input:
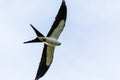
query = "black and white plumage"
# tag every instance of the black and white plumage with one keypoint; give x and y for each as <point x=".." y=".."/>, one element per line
<point x="50" y="41"/>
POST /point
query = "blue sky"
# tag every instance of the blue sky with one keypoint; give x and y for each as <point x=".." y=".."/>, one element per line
<point x="90" y="47"/>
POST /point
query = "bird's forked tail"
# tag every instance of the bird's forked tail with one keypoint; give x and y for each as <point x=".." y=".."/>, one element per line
<point x="38" y="35"/>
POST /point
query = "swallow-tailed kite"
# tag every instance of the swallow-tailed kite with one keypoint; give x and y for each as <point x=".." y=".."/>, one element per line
<point x="50" y="41"/>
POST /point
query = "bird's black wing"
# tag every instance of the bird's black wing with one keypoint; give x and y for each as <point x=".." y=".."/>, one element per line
<point x="59" y="22"/>
<point x="46" y="61"/>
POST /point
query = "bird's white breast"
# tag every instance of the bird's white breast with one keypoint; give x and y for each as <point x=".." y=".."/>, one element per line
<point x="50" y="41"/>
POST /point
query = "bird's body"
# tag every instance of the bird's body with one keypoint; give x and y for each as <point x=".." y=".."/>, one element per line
<point x="50" y="41"/>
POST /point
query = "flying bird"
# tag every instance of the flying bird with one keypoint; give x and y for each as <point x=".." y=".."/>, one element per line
<point x="50" y="41"/>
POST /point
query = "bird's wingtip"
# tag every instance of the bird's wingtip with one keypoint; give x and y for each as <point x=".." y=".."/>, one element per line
<point x="63" y="1"/>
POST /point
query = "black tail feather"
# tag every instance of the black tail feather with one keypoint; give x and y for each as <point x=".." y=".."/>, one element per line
<point x="32" y="41"/>
<point x="36" y="31"/>
<point x="38" y="35"/>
